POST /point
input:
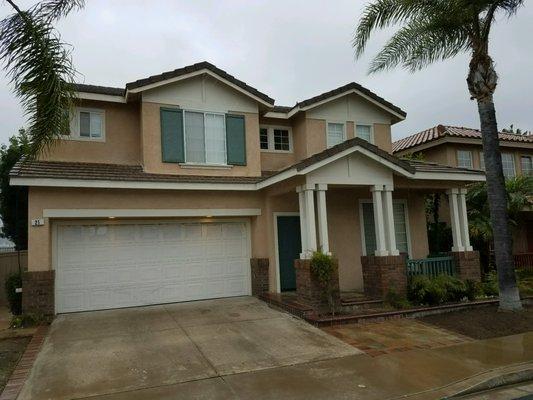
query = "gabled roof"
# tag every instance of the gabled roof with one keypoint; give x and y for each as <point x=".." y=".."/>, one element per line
<point x="204" y="65"/>
<point x="441" y="131"/>
<point x="352" y="86"/>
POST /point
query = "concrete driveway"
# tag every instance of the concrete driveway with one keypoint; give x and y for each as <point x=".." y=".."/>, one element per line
<point x="154" y="348"/>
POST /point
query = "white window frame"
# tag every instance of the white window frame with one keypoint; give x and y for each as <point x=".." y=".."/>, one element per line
<point x="514" y="165"/>
<point x="190" y="163"/>
<point x="362" y="224"/>
<point x="270" y="135"/>
<point x="531" y="161"/>
<point x="355" y="124"/>
<point x="343" y="123"/>
<point x="75" y="125"/>
<point x="471" y="166"/>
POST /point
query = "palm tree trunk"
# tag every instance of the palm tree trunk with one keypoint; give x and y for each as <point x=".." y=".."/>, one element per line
<point x="497" y="198"/>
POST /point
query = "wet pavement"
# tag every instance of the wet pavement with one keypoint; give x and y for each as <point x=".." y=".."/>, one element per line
<point x="222" y="351"/>
<point x="376" y="339"/>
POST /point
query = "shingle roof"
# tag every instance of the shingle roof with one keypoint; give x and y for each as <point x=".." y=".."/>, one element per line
<point x="197" y="67"/>
<point x="425" y="166"/>
<point x="441" y="131"/>
<point x="345" y="88"/>
<point x="112" y="172"/>
<point x="113" y="91"/>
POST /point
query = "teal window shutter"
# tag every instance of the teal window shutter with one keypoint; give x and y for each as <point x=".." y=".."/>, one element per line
<point x="235" y="140"/>
<point x="172" y="145"/>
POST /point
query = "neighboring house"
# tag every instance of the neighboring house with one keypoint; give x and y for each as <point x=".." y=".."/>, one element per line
<point x="170" y="188"/>
<point x="461" y="147"/>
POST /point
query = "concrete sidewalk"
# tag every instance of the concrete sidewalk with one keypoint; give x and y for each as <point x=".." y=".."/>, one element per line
<point x="420" y="374"/>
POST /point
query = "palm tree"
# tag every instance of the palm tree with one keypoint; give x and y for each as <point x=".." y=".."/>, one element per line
<point x="433" y="30"/>
<point x="40" y="68"/>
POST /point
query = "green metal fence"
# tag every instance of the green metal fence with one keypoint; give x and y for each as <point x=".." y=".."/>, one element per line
<point x="431" y="267"/>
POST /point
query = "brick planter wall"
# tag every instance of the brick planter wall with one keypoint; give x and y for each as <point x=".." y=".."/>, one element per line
<point x="381" y="274"/>
<point x="260" y="281"/>
<point x="467" y="265"/>
<point x="38" y="292"/>
<point x="308" y="290"/>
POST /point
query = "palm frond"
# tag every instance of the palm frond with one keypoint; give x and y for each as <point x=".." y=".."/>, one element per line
<point x="39" y="66"/>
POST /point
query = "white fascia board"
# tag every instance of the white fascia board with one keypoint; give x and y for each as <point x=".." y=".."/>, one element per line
<point x="101" y="97"/>
<point x="193" y="74"/>
<point x="450" y="176"/>
<point x="363" y="151"/>
<point x="278" y="115"/>
<point x="106" y="184"/>
<point x="141" y="213"/>
<point x="338" y="96"/>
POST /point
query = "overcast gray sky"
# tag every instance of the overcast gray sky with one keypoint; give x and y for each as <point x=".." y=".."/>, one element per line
<point x="290" y="50"/>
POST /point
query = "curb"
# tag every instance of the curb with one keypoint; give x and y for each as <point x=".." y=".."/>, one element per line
<point x="22" y="370"/>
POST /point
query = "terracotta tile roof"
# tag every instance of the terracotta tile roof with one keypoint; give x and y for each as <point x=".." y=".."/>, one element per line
<point x="197" y="67"/>
<point x="441" y="131"/>
<point x="113" y="172"/>
<point x="113" y="91"/>
<point x="345" y="88"/>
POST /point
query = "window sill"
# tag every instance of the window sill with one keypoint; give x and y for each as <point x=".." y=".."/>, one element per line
<point x="82" y="139"/>
<point x="276" y="151"/>
<point x="205" y="166"/>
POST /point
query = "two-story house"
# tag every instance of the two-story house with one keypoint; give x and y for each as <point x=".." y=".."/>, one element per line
<point x="462" y="148"/>
<point x="172" y="188"/>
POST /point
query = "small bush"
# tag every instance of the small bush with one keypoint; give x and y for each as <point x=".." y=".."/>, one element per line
<point x="434" y="291"/>
<point x="473" y="289"/>
<point x="489" y="285"/>
<point x="323" y="267"/>
<point x="14" y="299"/>
<point x="454" y="289"/>
<point x="396" y="300"/>
<point x="27" y="320"/>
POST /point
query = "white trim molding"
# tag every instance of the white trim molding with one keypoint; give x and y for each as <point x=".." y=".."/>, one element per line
<point x="155" y="213"/>
<point x="101" y="97"/>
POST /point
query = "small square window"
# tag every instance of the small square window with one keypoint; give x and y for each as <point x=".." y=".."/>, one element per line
<point x="464" y="159"/>
<point x="281" y="139"/>
<point x="90" y="124"/>
<point x="526" y="162"/>
<point x="335" y="134"/>
<point x="364" y="132"/>
<point x="263" y="138"/>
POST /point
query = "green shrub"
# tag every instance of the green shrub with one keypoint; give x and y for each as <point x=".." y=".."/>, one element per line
<point x="489" y="285"/>
<point x="434" y="291"/>
<point x="323" y="267"/>
<point x="396" y="300"/>
<point x="27" y="320"/>
<point x="14" y="299"/>
<point x="473" y="289"/>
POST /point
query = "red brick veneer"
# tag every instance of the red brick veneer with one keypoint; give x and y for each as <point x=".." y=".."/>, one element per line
<point x="381" y="274"/>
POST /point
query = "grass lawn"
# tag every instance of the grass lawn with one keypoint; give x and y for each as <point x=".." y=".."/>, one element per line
<point x="484" y="322"/>
<point x="10" y="352"/>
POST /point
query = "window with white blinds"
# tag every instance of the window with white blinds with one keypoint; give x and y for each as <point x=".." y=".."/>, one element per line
<point x="205" y="138"/>
<point x="400" y="227"/>
<point x="335" y="134"/>
<point x="364" y="132"/>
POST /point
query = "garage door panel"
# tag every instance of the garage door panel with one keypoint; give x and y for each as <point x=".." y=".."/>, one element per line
<point x="122" y="265"/>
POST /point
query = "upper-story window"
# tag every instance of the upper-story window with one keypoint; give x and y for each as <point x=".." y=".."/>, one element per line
<point x="335" y="134"/>
<point x="464" y="159"/>
<point x="508" y="165"/>
<point x="526" y="162"/>
<point x="364" y="132"/>
<point x="205" y="138"/>
<point x="88" y="124"/>
<point x="275" y="138"/>
<point x="481" y="161"/>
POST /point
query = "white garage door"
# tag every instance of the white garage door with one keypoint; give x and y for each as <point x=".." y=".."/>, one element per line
<point x="101" y="266"/>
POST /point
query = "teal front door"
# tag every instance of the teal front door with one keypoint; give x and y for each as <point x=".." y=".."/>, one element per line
<point x="289" y="248"/>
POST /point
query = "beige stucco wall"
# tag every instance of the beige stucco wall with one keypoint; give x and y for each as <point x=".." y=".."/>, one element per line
<point x="151" y="139"/>
<point x="382" y="137"/>
<point x="39" y="238"/>
<point x="122" y="138"/>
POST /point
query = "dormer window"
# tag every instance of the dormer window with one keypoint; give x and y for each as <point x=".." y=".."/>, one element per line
<point x="88" y="124"/>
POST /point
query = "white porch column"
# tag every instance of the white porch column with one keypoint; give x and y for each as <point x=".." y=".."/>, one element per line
<point x="303" y="224"/>
<point x="377" y="191"/>
<point x="454" y="216"/>
<point x="463" y="218"/>
<point x="322" y="218"/>
<point x="309" y="195"/>
<point x="388" y="210"/>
